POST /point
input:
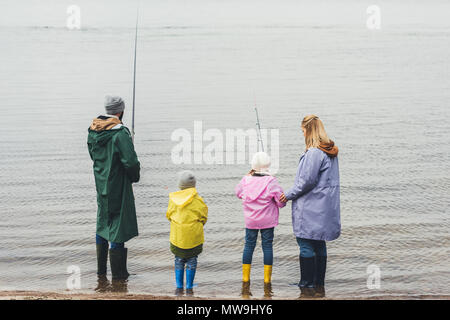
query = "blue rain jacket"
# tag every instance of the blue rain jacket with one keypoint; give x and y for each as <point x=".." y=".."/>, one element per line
<point x="315" y="197"/>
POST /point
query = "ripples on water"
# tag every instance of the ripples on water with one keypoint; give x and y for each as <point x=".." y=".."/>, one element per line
<point x="383" y="98"/>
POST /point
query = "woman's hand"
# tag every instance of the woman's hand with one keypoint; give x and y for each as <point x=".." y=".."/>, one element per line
<point x="283" y="198"/>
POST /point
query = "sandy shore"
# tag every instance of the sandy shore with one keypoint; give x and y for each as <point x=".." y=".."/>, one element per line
<point x="36" y="295"/>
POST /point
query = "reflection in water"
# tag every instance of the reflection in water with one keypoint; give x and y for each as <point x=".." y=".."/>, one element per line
<point x="102" y="284"/>
<point x="190" y="292"/>
<point x="179" y="292"/>
<point x="307" y="293"/>
<point x="268" y="293"/>
<point x="320" y="292"/>
<point x="246" y="293"/>
<point x="119" y="286"/>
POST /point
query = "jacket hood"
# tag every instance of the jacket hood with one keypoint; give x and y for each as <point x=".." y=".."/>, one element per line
<point x="329" y="148"/>
<point x="183" y="197"/>
<point x="100" y="131"/>
<point x="104" y="123"/>
<point x="255" y="186"/>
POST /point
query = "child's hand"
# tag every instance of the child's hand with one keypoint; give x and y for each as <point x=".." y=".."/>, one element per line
<point x="283" y="198"/>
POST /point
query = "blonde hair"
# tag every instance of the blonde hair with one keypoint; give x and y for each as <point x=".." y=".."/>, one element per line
<point x="315" y="131"/>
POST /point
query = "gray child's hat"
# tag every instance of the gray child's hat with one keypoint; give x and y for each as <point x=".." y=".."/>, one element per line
<point x="114" y="105"/>
<point x="186" y="179"/>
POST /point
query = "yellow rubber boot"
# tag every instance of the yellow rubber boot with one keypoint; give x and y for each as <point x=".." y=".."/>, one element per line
<point x="267" y="273"/>
<point x="246" y="272"/>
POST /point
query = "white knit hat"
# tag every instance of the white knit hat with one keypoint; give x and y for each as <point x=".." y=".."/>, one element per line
<point x="261" y="162"/>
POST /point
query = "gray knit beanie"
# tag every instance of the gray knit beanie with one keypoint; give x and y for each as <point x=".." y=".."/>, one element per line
<point x="114" y="104"/>
<point x="186" y="179"/>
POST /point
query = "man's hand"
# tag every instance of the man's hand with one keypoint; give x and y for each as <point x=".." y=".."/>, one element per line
<point x="283" y="198"/>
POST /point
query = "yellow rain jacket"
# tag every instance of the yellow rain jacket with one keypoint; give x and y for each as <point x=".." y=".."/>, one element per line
<point x="187" y="214"/>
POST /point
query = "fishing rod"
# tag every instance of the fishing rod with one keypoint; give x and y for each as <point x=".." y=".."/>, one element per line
<point x="258" y="126"/>
<point x="134" y="75"/>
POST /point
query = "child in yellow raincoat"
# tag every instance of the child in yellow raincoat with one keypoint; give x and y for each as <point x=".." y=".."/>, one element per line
<point x="187" y="213"/>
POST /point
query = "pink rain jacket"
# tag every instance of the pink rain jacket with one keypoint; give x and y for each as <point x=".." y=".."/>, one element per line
<point x="260" y="198"/>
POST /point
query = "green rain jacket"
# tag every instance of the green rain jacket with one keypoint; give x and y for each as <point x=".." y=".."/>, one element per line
<point x="116" y="167"/>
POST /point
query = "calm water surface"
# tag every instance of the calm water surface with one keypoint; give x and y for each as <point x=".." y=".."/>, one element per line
<point x="383" y="96"/>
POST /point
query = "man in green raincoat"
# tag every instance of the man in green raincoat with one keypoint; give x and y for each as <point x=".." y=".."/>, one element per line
<point x="116" y="167"/>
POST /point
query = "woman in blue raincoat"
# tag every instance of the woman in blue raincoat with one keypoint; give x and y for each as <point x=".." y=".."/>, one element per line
<point x="315" y="204"/>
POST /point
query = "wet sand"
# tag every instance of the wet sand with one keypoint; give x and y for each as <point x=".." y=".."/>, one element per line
<point x="36" y="295"/>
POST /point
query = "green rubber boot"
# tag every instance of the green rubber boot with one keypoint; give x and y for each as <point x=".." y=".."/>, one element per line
<point x="118" y="261"/>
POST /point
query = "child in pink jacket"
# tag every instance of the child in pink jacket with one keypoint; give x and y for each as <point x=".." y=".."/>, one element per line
<point x="260" y="194"/>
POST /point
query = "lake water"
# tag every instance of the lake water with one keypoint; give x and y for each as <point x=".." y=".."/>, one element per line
<point x="383" y="96"/>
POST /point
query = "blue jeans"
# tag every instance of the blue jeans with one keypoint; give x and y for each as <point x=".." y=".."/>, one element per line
<point x="311" y="248"/>
<point x="266" y="243"/>
<point x="114" y="245"/>
<point x="191" y="263"/>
